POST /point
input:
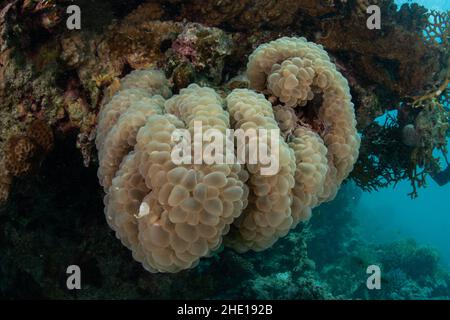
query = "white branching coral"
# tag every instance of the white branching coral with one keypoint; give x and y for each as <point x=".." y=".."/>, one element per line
<point x="171" y="214"/>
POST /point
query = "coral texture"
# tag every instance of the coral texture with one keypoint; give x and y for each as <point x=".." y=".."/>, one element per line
<point x="5" y="183"/>
<point x="25" y="152"/>
<point x="21" y="156"/>
<point x="297" y="71"/>
<point x="61" y="77"/>
<point x="268" y="216"/>
<point x="170" y="215"/>
<point x="51" y="73"/>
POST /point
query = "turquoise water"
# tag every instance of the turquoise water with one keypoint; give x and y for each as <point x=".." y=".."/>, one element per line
<point x="431" y="4"/>
<point x="390" y="214"/>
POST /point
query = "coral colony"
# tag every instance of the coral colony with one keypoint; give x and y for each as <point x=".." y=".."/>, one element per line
<point x="169" y="214"/>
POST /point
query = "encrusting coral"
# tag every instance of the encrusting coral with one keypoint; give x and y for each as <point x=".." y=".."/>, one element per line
<point x="170" y="215"/>
<point x="25" y="152"/>
<point x="21" y="155"/>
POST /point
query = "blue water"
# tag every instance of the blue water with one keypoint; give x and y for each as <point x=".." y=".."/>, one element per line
<point x="390" y="214"/>
<point x="430" y="4"/>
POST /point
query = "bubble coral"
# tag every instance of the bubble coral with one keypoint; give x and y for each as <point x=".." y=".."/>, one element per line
<point x="269" y="215"/>
<point x="300" y="75"/>
<point x="170" y="215"/>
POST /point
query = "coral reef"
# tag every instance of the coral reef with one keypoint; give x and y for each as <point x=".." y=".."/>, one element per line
<point x="34" y="265"/>
<point x="396" y="74"/>
<point x="342" y="253"/>
<point x="61" y="77"/>
<point x="198" y="55"/>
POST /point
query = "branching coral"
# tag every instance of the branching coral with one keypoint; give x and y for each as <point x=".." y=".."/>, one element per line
<point x="437" y="34"/>
<point x="172" y="214"/>
<point x="403" y="147"/>
<point x="382" y="161"/>
<point x="431" y="126"/>
<point x="437" y="30"/>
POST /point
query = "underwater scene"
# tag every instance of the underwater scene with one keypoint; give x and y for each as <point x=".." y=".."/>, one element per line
<point x="224" y="150"/>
